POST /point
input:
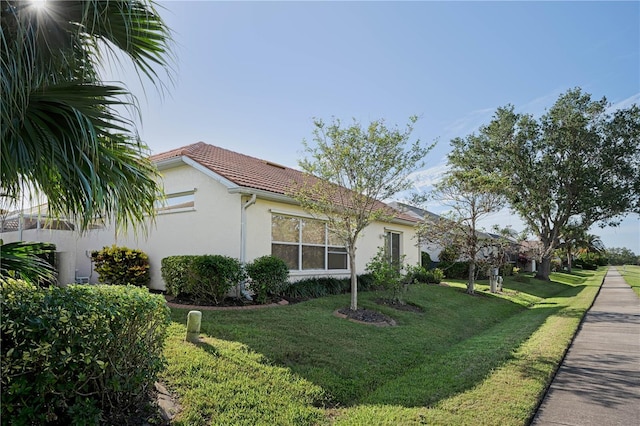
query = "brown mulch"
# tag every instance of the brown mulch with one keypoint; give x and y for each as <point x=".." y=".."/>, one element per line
<point x="227" y="305"/>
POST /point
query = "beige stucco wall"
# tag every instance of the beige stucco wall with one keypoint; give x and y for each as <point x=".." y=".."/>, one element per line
<point x="212" y="226"/>
<point x="72" y="249"/>
<point x="259" y="237"/>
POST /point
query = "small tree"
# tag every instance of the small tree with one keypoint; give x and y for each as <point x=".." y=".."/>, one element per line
<point x="352" y="168"/>
<point x="471" y="196"/>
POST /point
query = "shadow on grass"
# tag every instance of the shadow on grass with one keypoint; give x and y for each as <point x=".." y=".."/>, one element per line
<point x="461" y="367"/>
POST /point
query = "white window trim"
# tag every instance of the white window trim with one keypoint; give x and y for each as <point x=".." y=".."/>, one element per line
<point x="179" y="209"/>
<point x="301" y="244"/>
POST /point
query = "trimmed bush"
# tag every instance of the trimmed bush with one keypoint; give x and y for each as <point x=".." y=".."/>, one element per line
<point x="455" y="270"/>
<point x="79" y="354"/>
<point x="175" y="273"/>
<point x="122" y="266"/>
<point x="268" y="275"/>
<point x="211" y="277"/>
<point x="418" y="274"/>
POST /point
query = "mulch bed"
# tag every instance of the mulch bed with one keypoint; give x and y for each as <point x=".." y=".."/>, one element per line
<point x="228" y="303"/>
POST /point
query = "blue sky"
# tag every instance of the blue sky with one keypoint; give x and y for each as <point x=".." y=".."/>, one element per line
<point x="250" y="76"/>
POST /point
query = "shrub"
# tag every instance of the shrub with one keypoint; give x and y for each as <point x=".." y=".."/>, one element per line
<point x="416" y="274"/>
<point x="78" y="354"/>
<point x="456" y="270"/>
<point x="506" y="270"/>
<point x="122" y="266"/>
<point x="387" y="274"/>
<point x="420" y="275"/>
<point x="425" y="259"/>
<point x="210" y="277"/>
<point x="437" y="276"/>
<point x="365" y="282"/>
<point x="175" y="273"/>
<point x="312" y="288"/>
<point x="268" y="274"/>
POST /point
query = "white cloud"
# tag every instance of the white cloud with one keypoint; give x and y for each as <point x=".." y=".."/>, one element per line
<point x="625" y="103"/>
<point x="468" y="124"/>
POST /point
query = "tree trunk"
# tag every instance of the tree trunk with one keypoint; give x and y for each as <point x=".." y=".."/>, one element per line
<point x="545" y="268"/>
<point x="569" y="256"/>
<point x="354" y="281"/>
<point x="471" y="281"/>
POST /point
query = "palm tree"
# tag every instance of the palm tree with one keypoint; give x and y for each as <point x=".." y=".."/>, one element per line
<point x="62" y="134"/>
<point x="571" y="237"/>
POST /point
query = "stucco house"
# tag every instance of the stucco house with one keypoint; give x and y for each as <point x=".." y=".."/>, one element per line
<point x="487" y="249"/>
<point x="222" y="202"/>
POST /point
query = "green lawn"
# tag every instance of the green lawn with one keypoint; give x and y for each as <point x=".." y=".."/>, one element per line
<point x="466" y="360"/>
<point x="631" y="274"/>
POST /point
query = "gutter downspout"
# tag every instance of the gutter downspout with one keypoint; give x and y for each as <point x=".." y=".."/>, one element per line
<point x="243" y="240"/>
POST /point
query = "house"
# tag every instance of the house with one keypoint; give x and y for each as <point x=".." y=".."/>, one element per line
<point x="491" y="245"/>
<point x="222" y="202"/>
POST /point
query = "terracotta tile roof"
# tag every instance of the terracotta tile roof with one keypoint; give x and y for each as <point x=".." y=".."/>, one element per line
<point x="246" y="171"/>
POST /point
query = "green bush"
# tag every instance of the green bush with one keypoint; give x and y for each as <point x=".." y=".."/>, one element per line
<point x="365" y="282"/>
<point x="506" y="270"/>
<point x="425" y="259"/>
<point x="436" y="276"/>
<point x="268" y="274"/>
<point x="175" y="273"/>
<point x="122" y="266"/>
<point x="387" y="274"/>
<point x="419" y="275"/>
<point x="312" y="288"/>
<point x="211" y="277"/>
<point x="455" y="270"/>
<point x="78" y="354"/>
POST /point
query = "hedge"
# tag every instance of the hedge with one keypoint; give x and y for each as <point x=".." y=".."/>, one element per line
<point x="78" y="354"/>
<point x="204" y="278"/>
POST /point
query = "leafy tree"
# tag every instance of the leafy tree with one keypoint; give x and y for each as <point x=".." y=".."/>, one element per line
<point x="622" y="256"/>
<point x="578" y="161"/>
<point x="353" y="167"/>
<point x="471" y="195"/>
<point x="62" y="134"/>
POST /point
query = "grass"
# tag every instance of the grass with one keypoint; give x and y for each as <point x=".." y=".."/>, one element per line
<point x="631" y="274"/>
<point x="466" y="360"/>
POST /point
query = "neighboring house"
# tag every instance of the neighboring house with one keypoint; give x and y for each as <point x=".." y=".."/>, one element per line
<point x="222" y="202"/>
<point x="486" y="238"/>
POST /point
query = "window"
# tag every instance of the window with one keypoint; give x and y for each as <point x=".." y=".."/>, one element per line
<point x="306" y="244"/>
<point x="393" y="247"/>
<point x="179" y="201"/>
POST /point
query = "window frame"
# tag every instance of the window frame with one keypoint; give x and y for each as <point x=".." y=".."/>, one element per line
<point x="328" y="249"/>
<point x="164" y="205"/>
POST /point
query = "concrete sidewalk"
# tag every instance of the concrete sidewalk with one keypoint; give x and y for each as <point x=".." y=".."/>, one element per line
<point x="598" y="382"/>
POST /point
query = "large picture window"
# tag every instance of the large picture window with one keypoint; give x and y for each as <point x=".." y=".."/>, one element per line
<point x="306" y="244"/>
